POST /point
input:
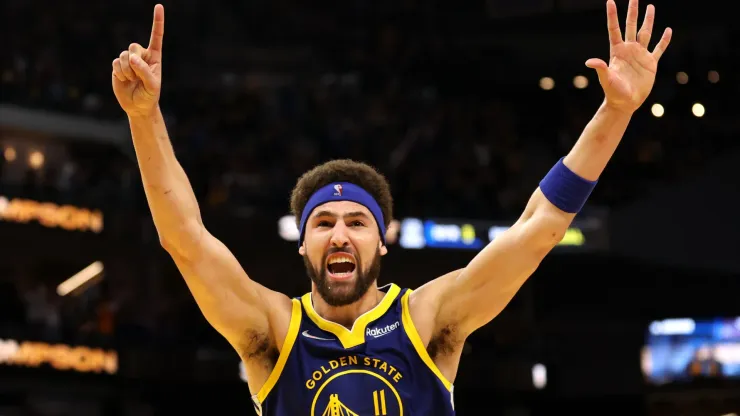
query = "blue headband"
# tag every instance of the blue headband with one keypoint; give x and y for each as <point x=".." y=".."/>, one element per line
<point x="342" y="191"/>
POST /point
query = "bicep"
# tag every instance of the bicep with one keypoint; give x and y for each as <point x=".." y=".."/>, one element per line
<point x="466" y="302"/>
<point x="490" y="281"/>
<point x="239" y="308"/>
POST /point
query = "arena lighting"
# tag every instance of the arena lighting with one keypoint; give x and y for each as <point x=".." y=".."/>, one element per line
<point x="539" y="376"/>
<point x="288" y="230"/>
<point x="682" y="77"/>
<point x="698" y="110"/>
<point x="678" y="326"/>
<point x="713" y="77"/>
<point x="242" y="371"/>
<point x="62" y="357"/>
<point x="547" y="83"/>
<point x="36" y="159"/>
<point x="50" y="215"/>
<point x="657" y="110"/>
<point x="80" y="278"/>
<point x="419" y="233"/>
<point x="580" y="82"/>
<point x="10" y="154"/>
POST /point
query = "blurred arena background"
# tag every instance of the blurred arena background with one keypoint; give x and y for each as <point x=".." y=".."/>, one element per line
<point x="463" y="105"/>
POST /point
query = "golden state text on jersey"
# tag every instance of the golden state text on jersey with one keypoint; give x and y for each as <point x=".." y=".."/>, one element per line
<point x="378" y="368"/>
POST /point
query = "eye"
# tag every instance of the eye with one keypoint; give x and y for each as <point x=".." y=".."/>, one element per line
<point x="323" y="223"/>
<point x="357" y="223"/>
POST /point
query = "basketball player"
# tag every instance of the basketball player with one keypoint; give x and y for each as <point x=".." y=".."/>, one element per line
<point x="350" y="347"/>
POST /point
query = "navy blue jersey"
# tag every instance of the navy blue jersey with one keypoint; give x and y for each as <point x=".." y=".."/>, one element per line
<point x="378" y="368"/>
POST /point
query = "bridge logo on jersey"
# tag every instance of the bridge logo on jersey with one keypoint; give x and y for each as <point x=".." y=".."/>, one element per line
<point x="357" y="393"/>
<point x="355" y="386"/>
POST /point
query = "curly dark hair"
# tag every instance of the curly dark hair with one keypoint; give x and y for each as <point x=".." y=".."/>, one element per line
<point x="342" y="170"/>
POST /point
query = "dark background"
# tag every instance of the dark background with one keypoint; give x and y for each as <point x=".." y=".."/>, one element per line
<point x="442" y="97"/>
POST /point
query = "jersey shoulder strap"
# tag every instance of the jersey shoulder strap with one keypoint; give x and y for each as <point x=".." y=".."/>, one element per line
<point x="290" y="339"/>
<point x="413" y="335"/>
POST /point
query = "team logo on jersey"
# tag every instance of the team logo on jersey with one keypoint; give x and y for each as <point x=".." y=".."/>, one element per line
<point x="339" y="189"/>
<point x="357" y="393"/>
<point x="355" y="385"/>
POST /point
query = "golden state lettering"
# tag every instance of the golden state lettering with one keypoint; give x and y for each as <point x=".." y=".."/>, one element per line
<point x="353" y="360"/>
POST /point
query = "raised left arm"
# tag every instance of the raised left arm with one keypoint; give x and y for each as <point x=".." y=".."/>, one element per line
<point x="472" y="297"/>
<point x="488" y="283"/>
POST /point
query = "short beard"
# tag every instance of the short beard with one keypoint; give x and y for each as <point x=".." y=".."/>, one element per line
<point x="341" y="294"/>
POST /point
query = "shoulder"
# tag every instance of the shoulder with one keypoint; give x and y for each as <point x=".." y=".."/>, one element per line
<point x="425" y="302"/>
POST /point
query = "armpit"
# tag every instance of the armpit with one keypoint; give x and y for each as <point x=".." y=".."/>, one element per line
<point x="257" y="345"/>
<point x="445" y="342"/>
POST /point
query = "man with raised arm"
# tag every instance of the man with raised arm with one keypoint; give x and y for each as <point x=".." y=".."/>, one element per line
<point x="348" y="346"/>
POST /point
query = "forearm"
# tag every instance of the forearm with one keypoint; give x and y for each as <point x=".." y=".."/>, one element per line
<point x="587" y="159"/>
<point x="491" y="279"/>
<point x="169" y="194"/>
<point x="597" y="143"/>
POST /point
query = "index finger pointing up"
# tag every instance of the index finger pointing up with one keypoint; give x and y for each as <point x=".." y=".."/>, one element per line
<point x="155" y="41"/>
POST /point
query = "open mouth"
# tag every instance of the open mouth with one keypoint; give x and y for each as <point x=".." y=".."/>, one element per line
<point x="340" y="265"/>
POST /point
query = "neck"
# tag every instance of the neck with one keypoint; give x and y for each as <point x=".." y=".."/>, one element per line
<point x="346" y="315"/>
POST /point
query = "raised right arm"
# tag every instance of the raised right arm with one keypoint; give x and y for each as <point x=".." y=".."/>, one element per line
<point x="233" y="304"/>
<point x="246" y="313"/>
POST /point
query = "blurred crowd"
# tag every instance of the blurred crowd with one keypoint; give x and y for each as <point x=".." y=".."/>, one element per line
<point x="131" y="305"/>
<point x="255" y="93"/>
<point x="32" y="310"/>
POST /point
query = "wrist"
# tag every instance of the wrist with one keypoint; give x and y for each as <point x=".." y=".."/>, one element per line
<point x="143" y="116"/>
<point x="566" y="189"/>
<point x="616" y="109"/>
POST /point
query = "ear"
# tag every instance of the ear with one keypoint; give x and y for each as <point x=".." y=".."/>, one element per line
<point x="302" y="249"/>
<point x="383" y="249"/>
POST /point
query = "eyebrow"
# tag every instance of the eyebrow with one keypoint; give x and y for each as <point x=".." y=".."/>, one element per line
<point x="353" y="214"/>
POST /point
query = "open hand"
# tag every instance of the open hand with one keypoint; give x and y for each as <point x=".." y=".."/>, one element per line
<point x="630" y="75"/>
<point x="137" y="72"/>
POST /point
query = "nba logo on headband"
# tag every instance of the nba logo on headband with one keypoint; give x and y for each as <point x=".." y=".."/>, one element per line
<point x="342" y="191"/>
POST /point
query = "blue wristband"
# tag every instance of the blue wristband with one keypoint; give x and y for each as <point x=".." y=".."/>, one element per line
<point x="566" y="190"/>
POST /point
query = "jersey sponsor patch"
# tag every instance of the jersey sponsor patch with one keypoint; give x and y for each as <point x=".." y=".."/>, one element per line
<point x="378" y="332"/>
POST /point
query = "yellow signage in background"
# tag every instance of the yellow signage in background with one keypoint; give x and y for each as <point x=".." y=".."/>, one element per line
<point x="573" y="237"/>
<point x="59" y="356"/>
<point x="51" y="215"/>
<point x="467" y="232"/>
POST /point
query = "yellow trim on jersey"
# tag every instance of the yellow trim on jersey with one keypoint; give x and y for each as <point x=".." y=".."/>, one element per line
<point x="355" y="336"/>
<point x="408" y="326"/>
<point x="292" y="335"/>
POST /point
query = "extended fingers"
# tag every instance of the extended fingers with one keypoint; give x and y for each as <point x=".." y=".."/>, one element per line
<point x="646" y="31"/>
<point x="631" y="26"/>
<point x="155" y="41"/>
<point x="662" y="45"/>
<point x="612" y="23"/>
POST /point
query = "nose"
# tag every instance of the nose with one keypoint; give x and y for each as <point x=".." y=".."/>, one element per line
<point x="339" y="235"/>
